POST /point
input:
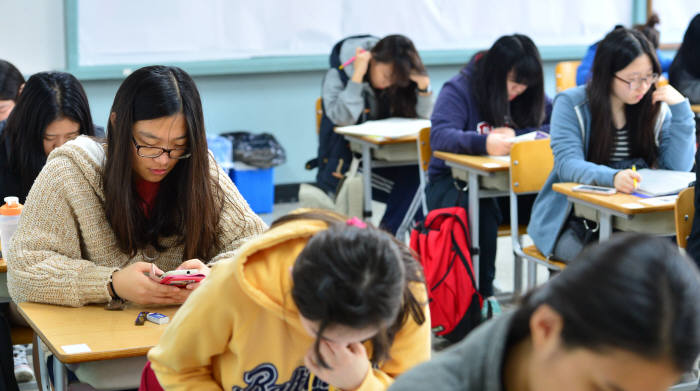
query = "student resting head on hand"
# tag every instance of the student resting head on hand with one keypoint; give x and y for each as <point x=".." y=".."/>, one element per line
<point x="318" y="300"/>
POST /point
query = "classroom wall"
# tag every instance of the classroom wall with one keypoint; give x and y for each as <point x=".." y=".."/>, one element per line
<point x="279" y="103"/>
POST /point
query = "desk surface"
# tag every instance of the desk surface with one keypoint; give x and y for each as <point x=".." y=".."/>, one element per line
<point x="623" y="203"/>
<point x="3" y="266"/>
<point x="695" y="108"/>
<point x="484" y="163"/>
<point x="108" y="334"/>
<point x="378" y="140"/>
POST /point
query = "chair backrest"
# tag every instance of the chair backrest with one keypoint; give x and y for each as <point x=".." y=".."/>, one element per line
<point x="319" y="114"/>
<point x="684" y="212"/>
<point x="530" y="165"/>
<point x="565" y="74"/>
<point x="424" y="150"/>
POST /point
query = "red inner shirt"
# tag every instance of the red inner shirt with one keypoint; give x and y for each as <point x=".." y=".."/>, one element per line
<point x="148" y="192"/>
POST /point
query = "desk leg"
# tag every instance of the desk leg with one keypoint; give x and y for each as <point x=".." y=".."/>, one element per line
<point x="605" y="226"/>
<point x="367" y="181"/>
<point x="60" y="377"/>
<point x="43" y="371"/>
<point x="474" y="221"/>
<point x="408" y="217"/>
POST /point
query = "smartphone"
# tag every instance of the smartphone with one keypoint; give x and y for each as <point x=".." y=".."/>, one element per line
<point x="181" y="277"/>
<point x="595" y="189"/>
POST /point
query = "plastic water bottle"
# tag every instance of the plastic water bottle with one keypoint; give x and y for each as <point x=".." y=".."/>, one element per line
<point x="9" y="218"/>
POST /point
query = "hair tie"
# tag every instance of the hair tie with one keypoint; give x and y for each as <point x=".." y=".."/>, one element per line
<point x="354" y="221"/>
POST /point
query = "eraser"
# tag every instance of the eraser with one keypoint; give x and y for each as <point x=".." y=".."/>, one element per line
<point x="157" y="318"/>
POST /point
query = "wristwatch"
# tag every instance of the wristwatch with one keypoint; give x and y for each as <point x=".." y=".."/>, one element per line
<point x="116" y="302"/>
<point x="426" y="90"/>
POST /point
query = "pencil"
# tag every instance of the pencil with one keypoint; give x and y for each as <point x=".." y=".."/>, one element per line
<point x="634" y="169"/>
<point x="349" y="61"/>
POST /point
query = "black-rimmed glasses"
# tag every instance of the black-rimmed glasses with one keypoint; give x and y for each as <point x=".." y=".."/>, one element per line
<point x="154" y="152"/>
<point x="637" y="82"/>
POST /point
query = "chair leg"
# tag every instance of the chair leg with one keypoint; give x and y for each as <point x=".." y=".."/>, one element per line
<point x="41" y="373"/>
<point x="531" y="275"/>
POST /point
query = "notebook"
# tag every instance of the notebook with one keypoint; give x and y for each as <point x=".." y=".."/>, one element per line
<point x="388" y="128"/>
<point x="657" y="183"/>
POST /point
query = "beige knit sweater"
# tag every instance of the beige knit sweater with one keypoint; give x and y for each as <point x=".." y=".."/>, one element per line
<point x="64" y="249"/>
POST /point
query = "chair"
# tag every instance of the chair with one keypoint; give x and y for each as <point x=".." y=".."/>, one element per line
<point x="424" y="154"/>
<point x="530" y="165"/>
<point x="565" y="74"/>
<point x="684" y="212"/>
<point x="319" y="114"/>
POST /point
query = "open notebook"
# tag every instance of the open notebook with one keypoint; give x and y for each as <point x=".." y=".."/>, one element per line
<point x="657" y="183"/>
<point x="389" y="128"/>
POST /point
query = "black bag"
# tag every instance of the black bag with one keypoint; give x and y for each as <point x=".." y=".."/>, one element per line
<point x="258" y="150"/>
<point x="334" y="155"/>
<point x="577" y="234"/>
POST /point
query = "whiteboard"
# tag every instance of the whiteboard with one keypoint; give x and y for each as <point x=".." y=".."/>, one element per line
<point x="166" y="31"/>
<point x="675" y="15"/>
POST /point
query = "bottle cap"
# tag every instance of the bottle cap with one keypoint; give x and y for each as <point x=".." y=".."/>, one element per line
<point x="12" y="207"/>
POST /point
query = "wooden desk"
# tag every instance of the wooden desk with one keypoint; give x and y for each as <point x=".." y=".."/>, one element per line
<point x="475" y="166"/>
<point x="4" y="294"/>
<point x="3" y="266"/>
<point x="695" y="108"/>
<point x="372" y="143"/>
<point x="607" y="206"/>
<point x="108" y="334"/>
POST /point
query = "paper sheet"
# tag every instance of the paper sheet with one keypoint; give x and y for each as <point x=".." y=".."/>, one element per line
<point x="388" y="128"/>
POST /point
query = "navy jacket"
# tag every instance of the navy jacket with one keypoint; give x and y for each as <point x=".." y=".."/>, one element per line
<point x="456" y="124"/>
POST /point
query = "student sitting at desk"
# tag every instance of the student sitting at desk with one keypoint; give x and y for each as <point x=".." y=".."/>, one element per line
<point x="386" y="79"/>
<point x="99" y="216"/>
<point x="51" y="110"/>
<point x="11" y="82"/>
<point x="601" y="130"/>
<point x="626" y="316"/>
<point x="318" y="300"/>
<point x="499" y="94"/>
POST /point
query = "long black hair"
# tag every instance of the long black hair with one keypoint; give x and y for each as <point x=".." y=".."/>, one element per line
<point x="688" y="56"/>
<point x="10" y="81"/>
<point x="636" y="293"/>
<point x="398" y="100"/>
<point x="355" y="277"/>
<point x="47" y="96"/>
<point x="515" y="53"/>
<point x="189" y="200"/>
<point x="616" y="51"/>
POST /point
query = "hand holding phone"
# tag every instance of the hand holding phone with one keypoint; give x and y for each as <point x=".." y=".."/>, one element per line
<point x="181" y="277"/>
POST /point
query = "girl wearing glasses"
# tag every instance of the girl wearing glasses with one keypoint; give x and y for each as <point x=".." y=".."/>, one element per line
<point x="600" y="131"/>
<point x="98" y="216"/>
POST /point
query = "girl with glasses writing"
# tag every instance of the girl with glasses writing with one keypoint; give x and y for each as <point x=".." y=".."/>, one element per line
<point x="601" y="131"/>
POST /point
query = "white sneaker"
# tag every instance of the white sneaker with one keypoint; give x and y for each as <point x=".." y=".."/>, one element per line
<point x="23" y="372"/>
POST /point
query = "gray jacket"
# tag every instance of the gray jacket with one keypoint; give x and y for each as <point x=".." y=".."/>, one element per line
<point x="344" y="104"/>
<point x="474" y="364"/>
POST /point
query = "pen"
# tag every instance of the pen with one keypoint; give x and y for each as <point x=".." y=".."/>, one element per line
<point x="350" y="60"/>
<point x="634" y="169"/>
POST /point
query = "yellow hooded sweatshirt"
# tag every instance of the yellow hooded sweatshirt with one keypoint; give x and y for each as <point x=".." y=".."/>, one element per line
<point x="240" y="330"/>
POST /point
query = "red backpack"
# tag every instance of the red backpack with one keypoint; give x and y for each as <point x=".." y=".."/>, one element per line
<point x="442" y="242"/>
